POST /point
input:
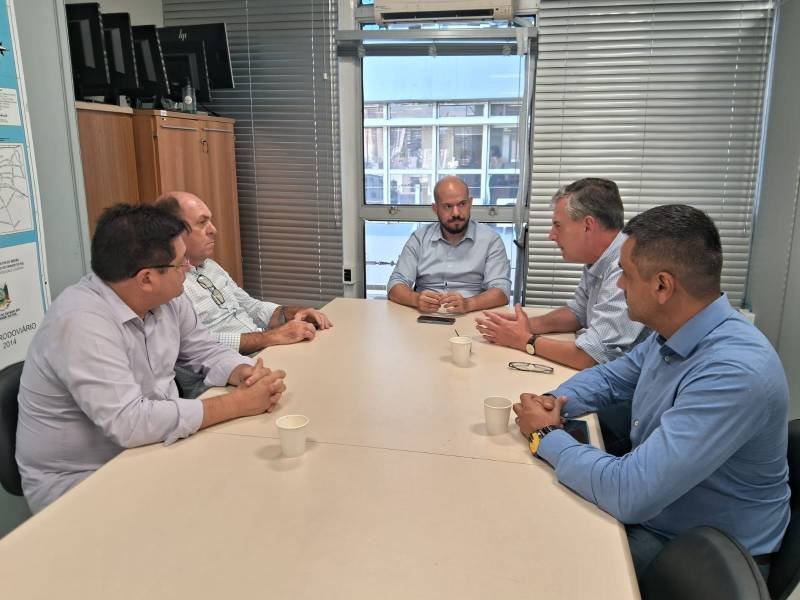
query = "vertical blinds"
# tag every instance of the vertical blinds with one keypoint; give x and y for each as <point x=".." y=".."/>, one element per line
<point x="665" y="98"/>
<point x="286" y="108"/>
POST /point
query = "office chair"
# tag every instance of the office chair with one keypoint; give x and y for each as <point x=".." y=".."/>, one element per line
<point x="784" y="573"/>
<point x="9" y="388"/>
<point x="703" y="564"/>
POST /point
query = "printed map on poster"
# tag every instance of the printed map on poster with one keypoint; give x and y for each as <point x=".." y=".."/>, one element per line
<point x="16" y="214"/>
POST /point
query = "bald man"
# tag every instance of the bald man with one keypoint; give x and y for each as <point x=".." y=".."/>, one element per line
<point x="233" y="317"/>
<point x="456" y="265"/>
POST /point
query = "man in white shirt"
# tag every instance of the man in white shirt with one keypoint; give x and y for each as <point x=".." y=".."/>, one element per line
<point x="99" y="374"/>
<point x="235" y="318"/>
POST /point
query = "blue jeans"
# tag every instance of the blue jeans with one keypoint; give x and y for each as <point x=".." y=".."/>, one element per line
<point x="645" y="546"/>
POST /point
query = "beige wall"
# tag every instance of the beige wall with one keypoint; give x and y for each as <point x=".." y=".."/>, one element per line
<point x="143" y="12"/>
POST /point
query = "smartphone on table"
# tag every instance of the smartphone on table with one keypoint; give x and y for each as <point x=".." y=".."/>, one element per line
<point x="440" y="319"/>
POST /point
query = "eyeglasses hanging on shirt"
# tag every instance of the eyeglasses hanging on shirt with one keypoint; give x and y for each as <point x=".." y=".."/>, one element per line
<point x="205" y="283"/>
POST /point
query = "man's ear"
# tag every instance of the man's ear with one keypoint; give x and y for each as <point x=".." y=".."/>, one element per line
<point x="663" y="286"/>
<point x="433" y="207"/>
<point x="589" y="223"/>
<point x="144" y="280"/>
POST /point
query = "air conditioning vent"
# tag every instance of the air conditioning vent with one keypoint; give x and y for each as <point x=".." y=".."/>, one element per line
<point x="394" y="11"/>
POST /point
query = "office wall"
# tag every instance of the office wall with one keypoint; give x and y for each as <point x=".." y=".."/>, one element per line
<point x="42" y="39"/>
<point x="143" y="12"/>
<point x="774" y="279"/>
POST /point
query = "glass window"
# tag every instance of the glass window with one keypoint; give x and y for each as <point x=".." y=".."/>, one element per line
<point x="503" y="188"/>
<point x="460" y="147"/>
<point x="504" y="109"/>
<point x="373" y="148"/>
<point x="473" y="181"/>
<point x="410" y="110"/>
<point x="384" y="241"/>
<point x="410" y="189"/>
<point x="503" y="147"/>
<point x="374" y="111"/>
<point x="373" y="189"/>
<point x="461" y="110"/>
<point x="411" y="147"/>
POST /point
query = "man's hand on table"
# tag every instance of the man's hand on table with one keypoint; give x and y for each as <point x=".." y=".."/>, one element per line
<point x="535" y="412"/>
<point x="313" y="316"/>
<point x="429" y="301"/>
<point x="506" y="329"/>
<point x="455" y="304"/>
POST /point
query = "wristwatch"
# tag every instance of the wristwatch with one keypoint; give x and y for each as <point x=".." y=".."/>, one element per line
<point x="530" y="347"/>
<point x="535" y="438"/>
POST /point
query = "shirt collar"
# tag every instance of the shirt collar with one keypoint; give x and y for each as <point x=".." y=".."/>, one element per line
<point x="468" y="235"/>
<point x="610" y="255"/>
<point x="122" y="312"/>
<point x="685" y="340"/>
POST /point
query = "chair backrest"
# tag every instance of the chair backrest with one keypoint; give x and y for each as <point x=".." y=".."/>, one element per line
<point x="784" y="573"/>
<point x="9" y="388"/>
<point x="703" y="563"/>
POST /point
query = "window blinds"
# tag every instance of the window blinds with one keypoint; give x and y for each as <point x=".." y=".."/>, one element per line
<point x="287" y="150"/>
<point x="663" y="97"/>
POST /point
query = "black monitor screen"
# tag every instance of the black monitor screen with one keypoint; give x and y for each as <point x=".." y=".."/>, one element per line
<point x="119" y="47"/>
<point x="215" y="39"/>
<point x="149" y="62"/>
<point x="187" y="61"/>
<point x="87" y="49"/>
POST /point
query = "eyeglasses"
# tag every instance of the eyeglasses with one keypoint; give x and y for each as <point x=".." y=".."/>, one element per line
<point x="205" y="283"/>
<point x="531" y="367"/>
<point x="182" y="265"/>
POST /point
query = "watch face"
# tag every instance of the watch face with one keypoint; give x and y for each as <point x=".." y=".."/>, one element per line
<point x="530" y="349"/>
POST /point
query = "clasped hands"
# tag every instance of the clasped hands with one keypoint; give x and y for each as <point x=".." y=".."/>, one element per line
<point x="451" y="302"/>
<point x="262" y="386"/>
<point x="535" y="412"/>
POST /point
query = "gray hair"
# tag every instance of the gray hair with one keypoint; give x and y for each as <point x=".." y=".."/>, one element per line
<point x="596" y="197"/>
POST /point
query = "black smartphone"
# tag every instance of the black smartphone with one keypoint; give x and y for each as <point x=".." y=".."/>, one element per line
<point x="577" y="429"/>
<point x="440" y="319"/>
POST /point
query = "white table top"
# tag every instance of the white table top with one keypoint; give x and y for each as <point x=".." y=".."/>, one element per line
<point x="400" y="493"/>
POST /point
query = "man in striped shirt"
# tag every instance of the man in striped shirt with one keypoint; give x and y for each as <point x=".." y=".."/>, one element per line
<point x="587" y="223"/>
<point x="232" y="316"/>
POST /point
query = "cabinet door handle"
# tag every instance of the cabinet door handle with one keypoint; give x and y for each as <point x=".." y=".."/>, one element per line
<point x="205" y="145"/>
<point x="177" y="127"/>
<point x="217" y="130"/>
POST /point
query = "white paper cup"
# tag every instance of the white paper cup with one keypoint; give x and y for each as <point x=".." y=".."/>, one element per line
<point x="461" y="347"/>
<point x="496" y="410"/>
<point x="292" y="431"/>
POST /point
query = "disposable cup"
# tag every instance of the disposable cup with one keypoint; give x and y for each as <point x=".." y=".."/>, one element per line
<point x="496" y="410"/>
<point x="460" y="348"/>
<point x="292" y="432"/>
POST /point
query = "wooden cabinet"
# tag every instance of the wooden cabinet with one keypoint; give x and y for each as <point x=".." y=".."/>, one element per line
<point x="137" y="155"/>
<point x="192" y="153"/>
<point x="108" y="155"/>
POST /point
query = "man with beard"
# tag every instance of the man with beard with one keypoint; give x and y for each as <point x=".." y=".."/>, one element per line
<point x="456" y="265"/>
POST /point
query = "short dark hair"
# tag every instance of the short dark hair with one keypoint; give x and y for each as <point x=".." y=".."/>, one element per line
<point x="170" y="203"/>
<point x="682" y="240"/>
<point x="130" y="237"/>
<point x="596" y="197"/>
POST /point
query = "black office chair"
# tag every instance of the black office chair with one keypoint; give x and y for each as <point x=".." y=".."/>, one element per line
<point x="784" y="572"/>
<point x="9" y="388"/>
<point x="703" y="564"/>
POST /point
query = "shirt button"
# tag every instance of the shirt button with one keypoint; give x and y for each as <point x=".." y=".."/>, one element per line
<point x="636" y="423"/>
<point x="666" y="359"/>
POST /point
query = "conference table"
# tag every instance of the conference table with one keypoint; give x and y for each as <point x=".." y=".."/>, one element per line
<point x="401" y="492"/>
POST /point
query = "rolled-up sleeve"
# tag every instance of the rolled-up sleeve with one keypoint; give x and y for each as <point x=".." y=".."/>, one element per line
<point x="405" y="271"/>
<point x="498" y="268"/>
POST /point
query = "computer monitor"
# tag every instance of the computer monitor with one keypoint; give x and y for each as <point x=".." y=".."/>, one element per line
<point x="187" y="61"/>
<point x="215" y="38"/>
<point x="119" y="49"/>
<point x="90" y="72"/>
<point x="149" y="63"/>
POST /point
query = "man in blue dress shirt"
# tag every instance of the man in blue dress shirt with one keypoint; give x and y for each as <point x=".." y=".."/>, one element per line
<point x="457" y="265"/>
<point x="709" y="403"/>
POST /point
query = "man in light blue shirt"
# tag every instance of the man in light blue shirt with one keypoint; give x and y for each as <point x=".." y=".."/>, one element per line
<point x="456" y="265"/>
<point x="709" y="403"/>
<point x="587" y="222"/>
